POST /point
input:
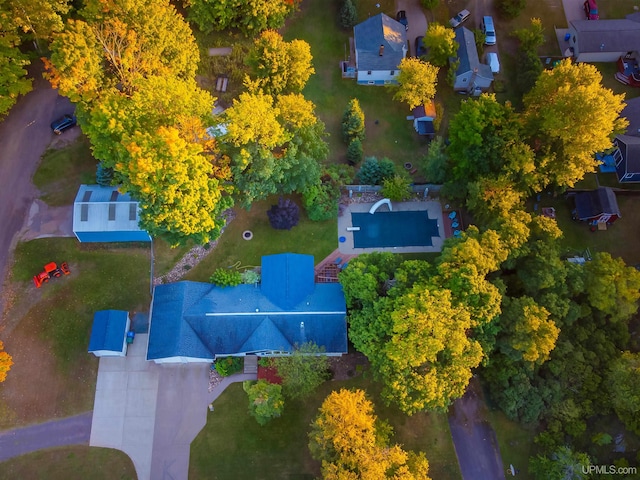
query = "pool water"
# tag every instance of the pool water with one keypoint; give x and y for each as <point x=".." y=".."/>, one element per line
<point x="394" y="229"/>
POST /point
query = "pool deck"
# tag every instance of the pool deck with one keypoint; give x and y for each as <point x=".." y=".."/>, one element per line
<point x="434" y="207"/>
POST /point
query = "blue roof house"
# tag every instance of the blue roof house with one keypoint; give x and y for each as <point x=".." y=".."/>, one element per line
<point x="380" y="45"/>
<point x="472" y="77"/>
<point x="197" y="322"/>
<point x="109" y="333"/>
<point x="103" y="214"/>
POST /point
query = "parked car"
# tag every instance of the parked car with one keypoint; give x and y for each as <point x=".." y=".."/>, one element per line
<point x="63" y="123"/>
<point x="420" y="49"/>
<point x="491" y="59"/>
<point x="459" y="18"/>
<point x="489" y="31"/>
<point x="591" y="10"/>
<point x="401" y="16"/>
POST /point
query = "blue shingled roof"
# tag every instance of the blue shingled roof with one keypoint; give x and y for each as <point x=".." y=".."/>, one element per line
<point x="201" y="320"/>
<point x="108" y="331"/>
<point x="373" y="32"/>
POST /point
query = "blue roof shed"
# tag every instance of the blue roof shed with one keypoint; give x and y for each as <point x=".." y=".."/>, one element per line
<point x="193" y="321"/>
<point x="103" y="214"/>
<point x="108" y="334"/>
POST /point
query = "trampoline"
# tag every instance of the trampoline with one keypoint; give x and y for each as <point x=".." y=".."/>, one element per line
<point x="394" y="229"/>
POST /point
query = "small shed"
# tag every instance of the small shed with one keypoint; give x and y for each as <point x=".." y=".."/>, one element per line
<point x="109" y="333"/>
<point x="103" y="214"/>
<point x="423" y="117"/>
<point x="597" y="206"/>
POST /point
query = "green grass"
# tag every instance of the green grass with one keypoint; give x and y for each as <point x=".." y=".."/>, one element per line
<point x="166" y="256"/>
<point x="608" y="71"/>
<point x="61" y="171"/>
<point x="233" y="442"/>
<point x="101" y="278"/>
<point x="515" y="441"/>
<point x="70" y="463"/>
<point x="617" y="9"/>
<point x="314" y="238"/>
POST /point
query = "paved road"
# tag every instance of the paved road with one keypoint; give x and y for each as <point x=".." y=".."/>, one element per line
<point x="24" y="136"/>
<point x="57" y="433"/>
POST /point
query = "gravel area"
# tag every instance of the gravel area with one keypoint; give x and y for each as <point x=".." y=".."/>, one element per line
<point x="214" y="378"/>
<point x="194" y="256"/>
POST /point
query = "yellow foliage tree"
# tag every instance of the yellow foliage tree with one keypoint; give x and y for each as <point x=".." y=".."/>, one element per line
<point x="416" y="82"/>
<point x="5" y="363"/>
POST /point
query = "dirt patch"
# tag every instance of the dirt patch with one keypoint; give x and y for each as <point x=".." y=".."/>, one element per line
<point x="348" y="366"/>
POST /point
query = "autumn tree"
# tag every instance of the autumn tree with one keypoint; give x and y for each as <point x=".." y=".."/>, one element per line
<point x="560" y="112"/>
<point x="440" y="44"/>
<point x="265" y="400"/>
<point x="13" y="63"/>
<point x="353" y="122"/>
<point x="248" y="16"/>
<point x="41" y="19"/>
<point x="416" y="82"/>
<point x="5" y="363"/>
<point x="351" y="442"/>
<point x="303" y="371"/>
<point x="278" y="66"/>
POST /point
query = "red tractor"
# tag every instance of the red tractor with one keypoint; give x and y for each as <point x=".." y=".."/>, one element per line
<point x="51" y="270"/>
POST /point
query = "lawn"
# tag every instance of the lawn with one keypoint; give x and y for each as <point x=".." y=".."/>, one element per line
<point x="52" y="324"/>
<point x="515" y="441"/>
<point x="233" y="442"/>
<point x="70" y="463"/>
<point x="313" y="238"/>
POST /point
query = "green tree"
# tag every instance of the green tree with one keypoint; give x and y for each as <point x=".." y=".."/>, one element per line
<point x="278" y="66"/>
<point x="249" y="16"/>
<point x="354" y="152"/>
<point x="416" y="82"/>
<point x="353" y="122"/>
<point x="5" y="363"/>
<point x="531" y="38"/>
<point x="510" y="9"/>
<point x="396" y="188"/>
<point x="352" y="443"/>
<point x="530" y="66"/>
<point x="435" y="164"/>
<point x="563" y="464"/>
<point x="440" y="43"/>
<point x="265" y="400"/>
<point x="13" y="63"/>
<point x="321" y="200"/>
<point x="624" y="382"/>
<point x="559" y="113"/>
<point x="348" y="16"/>
<point x="303" y="371"/>
<point x="104" y="175"/>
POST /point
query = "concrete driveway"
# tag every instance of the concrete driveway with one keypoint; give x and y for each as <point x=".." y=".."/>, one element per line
<point x="152" y="412"/>
<point x="417" y="21"/>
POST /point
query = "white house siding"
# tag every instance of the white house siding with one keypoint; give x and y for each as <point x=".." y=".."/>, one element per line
<point x="377" y="77"/>
<point x="110" y="353"/>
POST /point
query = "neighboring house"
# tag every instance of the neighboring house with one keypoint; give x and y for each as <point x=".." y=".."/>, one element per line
<point x="102" y="214"/>
<point x="423" y="117"/>
<point x="380" y="44"/>
<point x="597" y="206"/>
<point x="197" y="322"/>
<point x="626" y="156"/>
<point x="472" y="77"/>
<point x="109" y="333"/>
<point x="603" y="40"/>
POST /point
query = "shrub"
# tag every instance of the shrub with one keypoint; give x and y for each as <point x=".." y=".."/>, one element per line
<point x="250" y="277"/>
<point x="265" y="400"/>
<point x="348" y="16"/>
<point x="396" y="188"/>
<point x="429" y="4"/>
<point x="321" y="200"/>
<point x="373" y="171"/>
<point x="226" y="366"/>
<point x="354" y="152"/>
<point x="285" y="215"/>
<point x="223" y="277"/>
<point x="353" y="122"/>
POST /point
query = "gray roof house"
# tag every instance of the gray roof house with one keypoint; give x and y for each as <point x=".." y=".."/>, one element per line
<point x="627" y="152"/>
<point x="197" y="322"/>
<point x="603" y="40"/>
<point x="103" y="214"/>
<point x="471" y="75"/>
<point x="380" y="45"/>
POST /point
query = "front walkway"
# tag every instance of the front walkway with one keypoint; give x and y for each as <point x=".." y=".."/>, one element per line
<point x="152" y="412"/>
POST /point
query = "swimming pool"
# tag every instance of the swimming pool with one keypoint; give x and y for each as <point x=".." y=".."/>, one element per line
<point x="406" y="228"/>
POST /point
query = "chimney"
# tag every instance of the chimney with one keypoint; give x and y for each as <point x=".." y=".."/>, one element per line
<point x="381" y="50"/>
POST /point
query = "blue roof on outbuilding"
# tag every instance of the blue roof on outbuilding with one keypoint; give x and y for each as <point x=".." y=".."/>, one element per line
<point x="201" y="320"/>
<point x="374" y="32"/>
<point x="108" y="331"/>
